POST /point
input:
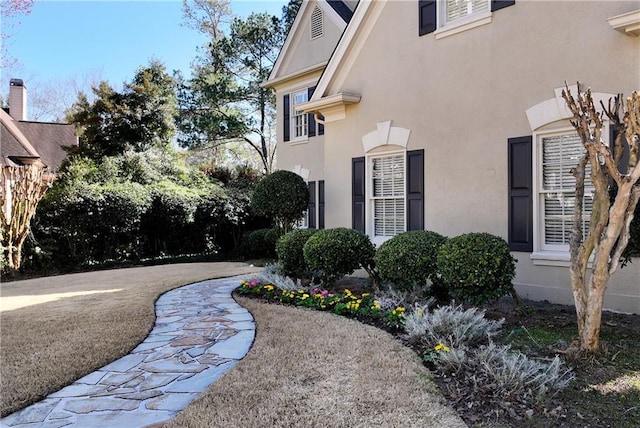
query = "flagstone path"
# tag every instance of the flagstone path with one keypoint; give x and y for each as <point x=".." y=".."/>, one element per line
<point x="200" y="333"/>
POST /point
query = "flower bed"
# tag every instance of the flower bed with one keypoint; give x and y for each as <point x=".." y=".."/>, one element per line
<point x="342" y="303"/>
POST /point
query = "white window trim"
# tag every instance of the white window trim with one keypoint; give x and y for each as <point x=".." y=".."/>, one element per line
<point x="369" y="210"/>
<point x="543" y="254"/>
<point x="446" y="29"/>
<point x="292" y="118"/>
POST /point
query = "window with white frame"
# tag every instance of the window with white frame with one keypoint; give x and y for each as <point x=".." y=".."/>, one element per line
<point x="458" y="10"/>
<point x="387" y="178"/>
<point x="299" y="118"/>
<point x="558" y="154"/>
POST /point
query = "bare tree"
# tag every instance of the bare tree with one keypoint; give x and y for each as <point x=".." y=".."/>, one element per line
<point x="21" y="188"/>
<point x="207" y="16"/>
<point x="9" y="10"/>
<point x="609" y="226"/>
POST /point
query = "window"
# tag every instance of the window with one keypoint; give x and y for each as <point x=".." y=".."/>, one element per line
<point x="317" y="23"/>
<point x="299" y="126"/>
<point x="450" y="17"/>
<point x="388" y="194"/>
<point x="456" y="10"/>
<point x="299" y="121"/>
<point x="558" y="154"/>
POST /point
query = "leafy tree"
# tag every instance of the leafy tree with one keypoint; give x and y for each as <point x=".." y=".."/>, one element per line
<point x="611" y="217"/>
<point x="138" y="118"/>
<point x="282" y="195"/>
<point x="224" y="101"/>
<point x="289" y="12"/>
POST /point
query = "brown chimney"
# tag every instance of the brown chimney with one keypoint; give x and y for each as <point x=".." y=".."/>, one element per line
<point x="17" y="99"/>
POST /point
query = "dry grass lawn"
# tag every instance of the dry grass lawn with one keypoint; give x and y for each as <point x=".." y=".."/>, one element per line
<point x="54" y="330"/>
<point x="315" y="369"/>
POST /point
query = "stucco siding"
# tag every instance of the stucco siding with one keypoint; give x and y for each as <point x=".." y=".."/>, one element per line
<point x="312" y="51"/>
<point x="463" y="96"/>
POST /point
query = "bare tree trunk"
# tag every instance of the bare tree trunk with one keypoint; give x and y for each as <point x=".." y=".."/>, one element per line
<point x="609" y="226"/>
<point x="21" y="188"/>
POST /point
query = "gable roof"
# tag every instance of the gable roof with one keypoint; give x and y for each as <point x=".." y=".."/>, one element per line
<point x="50" y="139"/>
<point x="34" y="140"/>
<point x="354" y="36"/>
<point x="337" y="10"/>
<point x="341" y="9"/>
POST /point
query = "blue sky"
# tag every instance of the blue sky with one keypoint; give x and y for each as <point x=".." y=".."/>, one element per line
<point x="110" y="39"/>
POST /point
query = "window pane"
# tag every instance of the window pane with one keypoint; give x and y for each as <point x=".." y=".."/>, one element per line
<point x="388" y="217"/>
<point x="457" y="9"/>
<point x="559" y="155"/>
<point x="388" y="176"/>
<point x="299" y="122"/>
<point x="388" y="188"/>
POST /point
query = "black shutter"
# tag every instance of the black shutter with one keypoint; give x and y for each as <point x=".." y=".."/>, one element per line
<point x="321" y="204"/>
<point x="321" y="126"/>
<point x="624" y="160"/>
<point x="415" y="190"/>
<point x="357" y="193"/>
<point x="520" y="194"/>
<point x="311" y="210"/>
<point x="287" y="118"/>
<point x="427" y="22"/>
<point x="501" y="4"/>
<point x="311" y="120"/>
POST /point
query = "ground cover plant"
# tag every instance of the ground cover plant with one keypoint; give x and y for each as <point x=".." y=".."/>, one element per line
<point x="519" y="377"/>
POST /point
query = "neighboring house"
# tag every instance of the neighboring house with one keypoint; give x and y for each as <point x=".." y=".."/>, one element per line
<point x="447" y="116"/>
<point x="23" y="142"/>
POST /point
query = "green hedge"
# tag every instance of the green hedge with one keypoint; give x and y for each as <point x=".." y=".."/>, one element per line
<point x="334" y="253"/>
<point x="476" y="267"/>
<point x="409" y="259"/>
<point x="290" y="250"/>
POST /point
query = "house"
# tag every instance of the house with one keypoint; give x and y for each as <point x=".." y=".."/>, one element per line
<point x="24" y="142"/>
<point x="447" y="116"/>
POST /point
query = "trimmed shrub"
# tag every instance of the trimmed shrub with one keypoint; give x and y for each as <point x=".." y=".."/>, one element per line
<point x="165" y="225"/>
<point x="91" y="223"/>
<point x="259" y="244"/>
<point x="477" y="267"/>
<point x="409" y="259"/>
<point x="334" y="253"/>
<point x="290" y="252"/>
<point x="282" y="195"/>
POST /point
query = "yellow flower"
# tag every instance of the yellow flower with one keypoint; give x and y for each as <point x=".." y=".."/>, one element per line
<point x="304" y="296"/>
<point x="365" y="294"/>
<point x="347" y="292"/>
<point x="442" y="347"/>
<point x="269" y="287"/>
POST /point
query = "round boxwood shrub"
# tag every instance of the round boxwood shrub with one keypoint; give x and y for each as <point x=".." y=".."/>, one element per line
<point x="290" y="252"/>
<point x="259" y="244"/>
<point x="338" y="252"/>
<point x="477" y="267"/>
<point x="283" y="196"/>
<point x="409" y="259"/>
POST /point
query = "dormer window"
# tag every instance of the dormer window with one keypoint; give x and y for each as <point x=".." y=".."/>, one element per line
<point x="317" y="23"/>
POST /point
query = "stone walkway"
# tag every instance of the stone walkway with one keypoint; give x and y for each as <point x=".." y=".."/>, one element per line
<point x="200" y="333"/>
